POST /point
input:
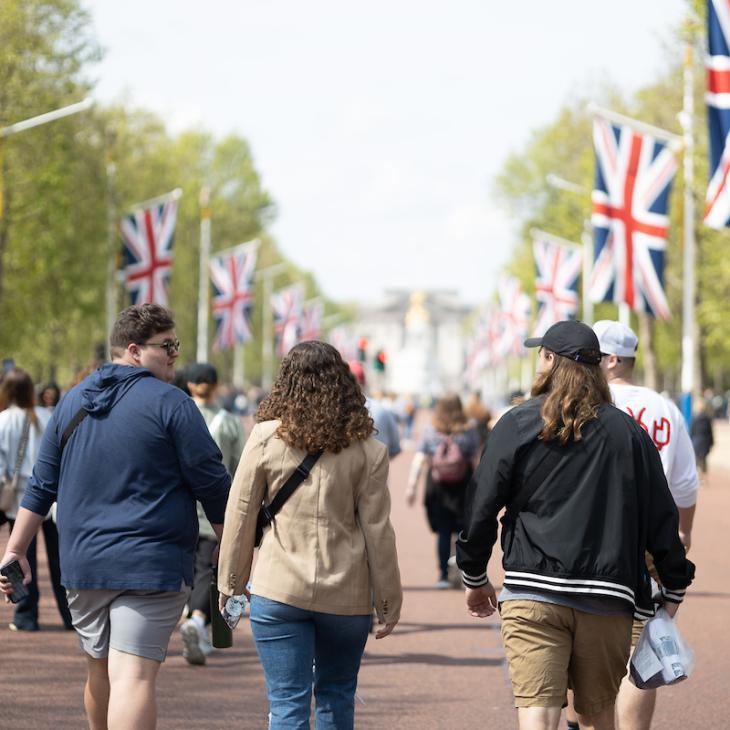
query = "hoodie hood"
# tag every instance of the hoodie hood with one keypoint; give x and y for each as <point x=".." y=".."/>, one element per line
<point x="108" y="384"/>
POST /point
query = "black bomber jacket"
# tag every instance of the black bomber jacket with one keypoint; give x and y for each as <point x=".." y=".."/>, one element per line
<point x="586" y="527"/>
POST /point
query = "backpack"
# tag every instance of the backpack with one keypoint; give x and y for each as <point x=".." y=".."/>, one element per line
<point x="448" y="464"/>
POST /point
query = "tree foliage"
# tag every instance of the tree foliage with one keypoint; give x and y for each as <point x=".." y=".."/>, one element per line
<point x="66" y="181"/>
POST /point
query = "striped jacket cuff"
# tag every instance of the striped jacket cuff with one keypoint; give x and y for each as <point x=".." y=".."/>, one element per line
<point x="474" y="581"/>
<point x="673" y="596"/>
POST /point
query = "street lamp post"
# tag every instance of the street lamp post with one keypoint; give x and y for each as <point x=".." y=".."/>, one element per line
<point x="586" y="240"/>
<point x="267" y="323"/>
<point x="203" y="284"/>
<point x="36" y="121"/>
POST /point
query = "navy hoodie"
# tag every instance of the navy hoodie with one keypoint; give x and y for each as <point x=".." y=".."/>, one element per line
<point x="128" y="481"/>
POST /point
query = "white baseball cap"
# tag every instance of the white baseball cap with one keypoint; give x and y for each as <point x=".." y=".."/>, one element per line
<point x="616" y="338"/>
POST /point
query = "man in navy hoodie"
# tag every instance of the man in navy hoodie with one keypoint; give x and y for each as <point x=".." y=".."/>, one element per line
<point x="125" y="456"/>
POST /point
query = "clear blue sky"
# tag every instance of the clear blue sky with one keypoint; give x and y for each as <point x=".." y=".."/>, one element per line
<point x="378" y="127"/>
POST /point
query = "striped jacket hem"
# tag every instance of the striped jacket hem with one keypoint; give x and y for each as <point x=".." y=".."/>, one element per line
<point x="574" y="586"/>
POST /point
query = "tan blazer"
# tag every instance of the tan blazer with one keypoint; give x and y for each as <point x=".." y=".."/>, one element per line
<point x="331" y="548"/>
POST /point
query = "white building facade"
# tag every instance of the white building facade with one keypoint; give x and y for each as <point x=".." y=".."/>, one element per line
<point x="422" y="336"/>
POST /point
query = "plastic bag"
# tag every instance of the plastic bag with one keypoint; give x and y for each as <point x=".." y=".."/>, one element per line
<point x="661" y="656"/>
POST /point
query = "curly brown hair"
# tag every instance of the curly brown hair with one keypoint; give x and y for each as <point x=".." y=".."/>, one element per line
<point x="448" y="415"/>
<point x="318" y="401"/>
<point x="574" y="393"/>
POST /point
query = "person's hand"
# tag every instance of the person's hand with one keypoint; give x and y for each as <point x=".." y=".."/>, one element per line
<point x="671" y="608"/>
<point x="686" y="539"/>
<point x="387" y="629"/>
<point x="410" y="497"/>
<point x="222" y="598"/>
<point x="5" y="586"/>
<point x="481" y="602"/>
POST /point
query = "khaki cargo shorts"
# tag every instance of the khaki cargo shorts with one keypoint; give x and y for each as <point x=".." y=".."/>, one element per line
<point x="552" y="648"/>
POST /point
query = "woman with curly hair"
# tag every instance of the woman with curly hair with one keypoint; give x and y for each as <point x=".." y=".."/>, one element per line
<point x="329" y="550"/>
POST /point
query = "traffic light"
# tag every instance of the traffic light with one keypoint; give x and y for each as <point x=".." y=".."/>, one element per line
<point x="362" y="349"/>
<point x="380" y="361"/>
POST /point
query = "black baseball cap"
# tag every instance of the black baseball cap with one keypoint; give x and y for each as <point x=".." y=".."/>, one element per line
<point x="572" y="339"/>
<point x="202" y="372"/>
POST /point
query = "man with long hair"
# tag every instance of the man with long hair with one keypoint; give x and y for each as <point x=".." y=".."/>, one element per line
<point x="586" y="496"/>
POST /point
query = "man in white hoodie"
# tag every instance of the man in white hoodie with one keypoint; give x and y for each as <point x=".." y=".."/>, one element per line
<point x="662" y="420"/>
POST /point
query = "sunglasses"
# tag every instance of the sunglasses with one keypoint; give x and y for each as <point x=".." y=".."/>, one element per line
<point x="169" y="346"/>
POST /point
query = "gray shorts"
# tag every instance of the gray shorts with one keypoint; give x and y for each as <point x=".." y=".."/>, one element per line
<point x="135" y="622"/>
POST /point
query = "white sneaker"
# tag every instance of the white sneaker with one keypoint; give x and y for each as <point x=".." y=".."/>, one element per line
<point x="193" y="652"/>
<point x="454" y="574"/>
<point x="204" y="640"/>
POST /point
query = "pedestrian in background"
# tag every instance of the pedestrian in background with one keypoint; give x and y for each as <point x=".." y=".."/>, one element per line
<point x="21" y="427"/>
<point x="480" y="416"/>
<point x="585" y="497"/>
<point x="329" y="552"/>
<point x="384" y="419"/>
<point x="227" y="432"/>
<point x="445" y="455"/>
<point x="703" y="437"/>
<point x="665" y="425"/>
<point x="48" y="396"/>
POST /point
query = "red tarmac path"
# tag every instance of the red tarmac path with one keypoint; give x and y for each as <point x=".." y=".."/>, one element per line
<point x="441" y="669"/>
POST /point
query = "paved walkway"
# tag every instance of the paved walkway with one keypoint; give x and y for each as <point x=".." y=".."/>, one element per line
<point x="441" y="669"/>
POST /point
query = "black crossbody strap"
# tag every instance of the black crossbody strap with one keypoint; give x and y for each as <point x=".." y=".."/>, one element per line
<point x="78" y="417"/>
<point x="537" y="477"/>
<point x="22" y="447"/>
<point x="286" y="491"/>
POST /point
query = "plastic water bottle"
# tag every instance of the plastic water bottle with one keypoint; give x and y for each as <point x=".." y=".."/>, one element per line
<point x="234" y="610"/>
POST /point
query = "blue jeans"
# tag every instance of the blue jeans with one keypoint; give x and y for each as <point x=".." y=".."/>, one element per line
<point x="298" y="648"/>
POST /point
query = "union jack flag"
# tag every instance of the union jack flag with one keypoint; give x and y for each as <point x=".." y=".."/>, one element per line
<point x="311" y="324"/>
<point x="634" y="174"/>
<point x="148" y="235"/>
<point x="344" y="342"/>
<point x="287" y="307"/>
<point x="514" y="315"/>
<point x="232" y="277"/>
<point x="717" y="210"/>
<point x="478" y="352"/>
<point x="556" y="285"/>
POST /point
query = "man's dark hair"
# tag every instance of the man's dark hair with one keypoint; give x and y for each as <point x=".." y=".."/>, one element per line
<point x="137" y="324"/>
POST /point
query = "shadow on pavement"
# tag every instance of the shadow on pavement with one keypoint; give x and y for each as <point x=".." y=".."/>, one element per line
<point x="432" y="659"/>
<point x="413" y="628"/>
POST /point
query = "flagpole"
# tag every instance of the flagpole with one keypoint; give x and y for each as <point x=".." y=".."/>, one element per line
<point x="586" y="238"/>
<point x="689" y="330"/>
<point x="267" y="323"/>
<point x="203" y="283"/>
<point x="674" y="140"/>
<point x="111" y="246"/>
<point x="175" y="194"/>
<point x="239" y="365"/>
<point x="231" y="249"/>
<point x="557" y="240"/>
